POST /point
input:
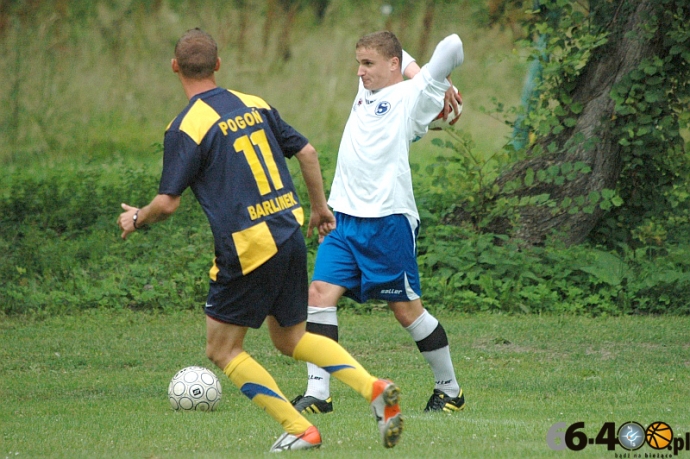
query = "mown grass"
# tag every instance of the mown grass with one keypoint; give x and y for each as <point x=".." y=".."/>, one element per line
<point x="94" y="385"/>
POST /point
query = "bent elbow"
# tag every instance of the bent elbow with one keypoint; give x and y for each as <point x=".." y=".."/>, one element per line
<point x="171" y="208"/>
<point x="456" y="45"/>
<point x="167" y="205"/>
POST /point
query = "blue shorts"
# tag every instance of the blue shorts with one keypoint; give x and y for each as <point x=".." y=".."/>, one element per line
<point x="277" y="288"/>
<point x="373" y="258"/>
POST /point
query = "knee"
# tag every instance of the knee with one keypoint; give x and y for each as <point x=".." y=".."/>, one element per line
<point x="404" y="317"/>
<point x="407" y="312"/>
<point x="323" y="294"/>
<point x="286" y="339"/>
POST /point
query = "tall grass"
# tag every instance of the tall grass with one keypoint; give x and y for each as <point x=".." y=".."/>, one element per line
<point x="95" y="80"/>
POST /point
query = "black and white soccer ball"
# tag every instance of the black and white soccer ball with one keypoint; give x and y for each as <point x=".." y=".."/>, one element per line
<point x="194" y="389"/>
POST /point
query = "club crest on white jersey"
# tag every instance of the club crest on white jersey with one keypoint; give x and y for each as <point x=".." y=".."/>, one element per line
<point x="382" y="108"/>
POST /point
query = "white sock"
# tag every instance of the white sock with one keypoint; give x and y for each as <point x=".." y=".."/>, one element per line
<point x="444" y="374"/>
<point x="438" y="357"/>
<point x="319" y="382"/>
<point x="422" y="327"/>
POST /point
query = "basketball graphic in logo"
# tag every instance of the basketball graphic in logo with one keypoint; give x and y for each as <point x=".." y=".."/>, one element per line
<point x="659" y="435"/>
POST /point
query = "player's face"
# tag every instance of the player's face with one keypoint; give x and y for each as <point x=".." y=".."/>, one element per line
<point x="375" y="70"/>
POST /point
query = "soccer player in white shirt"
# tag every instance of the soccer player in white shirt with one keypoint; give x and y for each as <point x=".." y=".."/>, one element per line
<point x="371" y="252"/>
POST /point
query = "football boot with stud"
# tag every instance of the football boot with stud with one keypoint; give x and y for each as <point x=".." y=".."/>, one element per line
<point x="386" y="410"/>
<point x="312" y="405"/>
<point x="311" y="438"/>
<point x="440" y="401"/>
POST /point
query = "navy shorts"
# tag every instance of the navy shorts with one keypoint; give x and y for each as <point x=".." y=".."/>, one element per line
<point x="371" y="258"/>
<point x="277" y="288"/>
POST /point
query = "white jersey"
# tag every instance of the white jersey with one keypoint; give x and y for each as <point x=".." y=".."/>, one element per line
<point x="373" y="176"/>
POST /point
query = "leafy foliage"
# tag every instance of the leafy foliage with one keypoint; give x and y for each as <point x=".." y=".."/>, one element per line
<point x="650" y="112"/>
<point x="651" y="107"/>
<point x="62" y="251"/>
<point x="466" y="268"/>
<point x="578" y="150"/>
<point x="467" y="271"/>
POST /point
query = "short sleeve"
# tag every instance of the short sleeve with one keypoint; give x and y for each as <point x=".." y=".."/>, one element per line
<point x="181" y="163"/>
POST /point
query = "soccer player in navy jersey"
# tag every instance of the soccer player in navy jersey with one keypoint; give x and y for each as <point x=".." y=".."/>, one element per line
<point x="371" y="253"/>
<point x="230" y="149"/>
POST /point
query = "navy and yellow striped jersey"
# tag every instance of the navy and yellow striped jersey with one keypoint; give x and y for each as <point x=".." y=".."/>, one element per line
<point x="230" y="149"/>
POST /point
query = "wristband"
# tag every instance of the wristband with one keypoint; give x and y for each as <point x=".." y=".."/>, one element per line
<point x="135" y="217"/>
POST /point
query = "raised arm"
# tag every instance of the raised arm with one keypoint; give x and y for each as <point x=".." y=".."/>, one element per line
<point x="447" y="55"/>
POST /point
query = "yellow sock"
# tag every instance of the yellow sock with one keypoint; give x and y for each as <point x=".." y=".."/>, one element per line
<point x="331" y="356"/>
<point x="257" y="384"/>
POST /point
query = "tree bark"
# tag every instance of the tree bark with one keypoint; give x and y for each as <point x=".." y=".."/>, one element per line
<point x="613" y="61"/>
<point x="289" y="8"/>
<point x="424" y="37"/>
<point x="271" y="10"/>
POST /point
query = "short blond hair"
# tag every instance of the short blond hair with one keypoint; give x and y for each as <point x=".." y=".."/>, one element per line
<point x="196" y="53"/>
<point x="384" y="42"/>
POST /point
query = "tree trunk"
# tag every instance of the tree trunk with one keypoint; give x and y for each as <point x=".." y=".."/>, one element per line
<point x="614" y="60"/>
<point x="427" y="22"/>
<point x="271" y="10"/>
<point x="242" y="29"/>
<point x="320" y="7"/>
<point x="289" y="8"/>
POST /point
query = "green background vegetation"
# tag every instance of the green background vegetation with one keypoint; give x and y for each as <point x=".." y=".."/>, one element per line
<point x="92" y="328"/>
<point x="96" y="80"/>
<point x="88" y="95"/>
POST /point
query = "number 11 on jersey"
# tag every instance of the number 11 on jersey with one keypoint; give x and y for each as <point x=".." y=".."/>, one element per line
<point x="246" y="145"/>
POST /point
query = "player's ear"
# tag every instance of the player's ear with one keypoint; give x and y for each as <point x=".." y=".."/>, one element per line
<point x="175" y="66"/>
<point x="217" y="64"/>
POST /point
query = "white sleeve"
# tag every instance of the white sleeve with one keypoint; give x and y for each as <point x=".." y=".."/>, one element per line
<point x="406" y="60"/>
<point x="447" y="55"/>
<point x="426" y="102"/>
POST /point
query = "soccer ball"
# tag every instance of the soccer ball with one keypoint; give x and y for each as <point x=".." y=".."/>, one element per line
<point x="194" y="389"/>
<point x="439" y="123"/>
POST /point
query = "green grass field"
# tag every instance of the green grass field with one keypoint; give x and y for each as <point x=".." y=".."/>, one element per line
<point x="94" y="385"/>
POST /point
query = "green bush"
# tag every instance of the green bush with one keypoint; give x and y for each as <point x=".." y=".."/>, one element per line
<point x="468" y="271"/>
<point x="468" y="268"/>
<point x="62" y="252"/>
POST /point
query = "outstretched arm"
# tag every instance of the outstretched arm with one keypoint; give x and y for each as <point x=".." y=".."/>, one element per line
<point x="160" y="208"/>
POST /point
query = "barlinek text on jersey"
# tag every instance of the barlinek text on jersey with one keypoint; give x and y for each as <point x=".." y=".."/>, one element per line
<point x="272" y="206"/>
